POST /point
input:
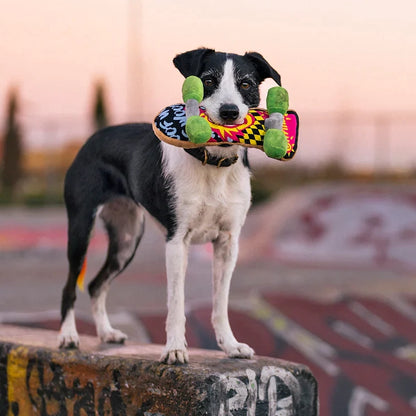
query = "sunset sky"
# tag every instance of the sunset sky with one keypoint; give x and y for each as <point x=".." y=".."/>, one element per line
<point x="355" y="56"/>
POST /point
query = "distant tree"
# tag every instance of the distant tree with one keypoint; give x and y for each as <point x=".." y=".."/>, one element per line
<point x="100" y="117"/>
<point x="12" y="147"/>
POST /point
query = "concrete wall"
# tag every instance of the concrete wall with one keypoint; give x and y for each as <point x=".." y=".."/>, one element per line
<point x="40" y="380"/>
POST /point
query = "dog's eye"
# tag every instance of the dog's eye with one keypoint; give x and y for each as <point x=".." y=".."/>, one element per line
<point x="208" y="82"/>
<point x="245" y="85"/>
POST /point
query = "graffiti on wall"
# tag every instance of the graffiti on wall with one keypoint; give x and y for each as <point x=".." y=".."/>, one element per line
<point x="275" y="392"/>
<point x="36" y="384"/>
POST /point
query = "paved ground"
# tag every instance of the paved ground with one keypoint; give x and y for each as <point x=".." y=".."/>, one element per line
<point x="326" y="277"/>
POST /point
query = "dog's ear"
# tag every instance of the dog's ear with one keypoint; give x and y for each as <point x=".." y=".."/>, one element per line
<point x="190" y="63"/>
<point x="263" y="68"/>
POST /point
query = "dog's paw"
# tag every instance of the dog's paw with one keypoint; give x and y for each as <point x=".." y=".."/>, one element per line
<point x="175" y="357"/>
<point x="68" y="341"/>
<point x="113" y="337"/>
<point x="239" y="350"/>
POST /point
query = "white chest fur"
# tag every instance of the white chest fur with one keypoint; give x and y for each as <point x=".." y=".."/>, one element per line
<point x="207" y="199"/>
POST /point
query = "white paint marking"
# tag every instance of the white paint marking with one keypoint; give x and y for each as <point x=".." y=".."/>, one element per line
<point x="407" y="352"/>
<point x="252" y="392"/>
<point x="304" y="341"/>
<point x="286" y="376"/>
<point x="246" y="394"/>
<point x="285" y="407"/>
<point x="29" y="316"/>
<point x="404" y="307"/>
<point x="361" y="398"/>
<point x="272" y="396"/>
<point x="239" y="399"/>
<point x="352" y="334"/>
<point x="372" y="319"/>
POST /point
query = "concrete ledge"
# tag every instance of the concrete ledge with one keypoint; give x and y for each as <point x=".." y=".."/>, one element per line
<point x="38" y="379"/>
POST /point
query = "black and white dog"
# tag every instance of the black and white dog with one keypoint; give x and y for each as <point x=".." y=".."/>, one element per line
<point x="123" y="170"/>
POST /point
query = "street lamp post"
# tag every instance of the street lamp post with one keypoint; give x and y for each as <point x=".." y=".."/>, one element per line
<point x="135" y="63"/>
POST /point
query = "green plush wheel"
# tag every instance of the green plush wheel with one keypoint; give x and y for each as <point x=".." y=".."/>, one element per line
<point x="198" y="129"/>
<point x="277" y="100"/>
<point x="275" y="143"/>
<point x="192" y="88"/>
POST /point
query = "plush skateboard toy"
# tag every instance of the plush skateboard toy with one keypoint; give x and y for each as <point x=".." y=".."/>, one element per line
<point x="274" y="131"/>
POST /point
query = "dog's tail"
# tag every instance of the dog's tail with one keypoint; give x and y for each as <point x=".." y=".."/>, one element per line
<point x="81" y="276"/>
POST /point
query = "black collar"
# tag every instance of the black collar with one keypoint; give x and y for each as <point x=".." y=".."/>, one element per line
<point x="205" y="157"/>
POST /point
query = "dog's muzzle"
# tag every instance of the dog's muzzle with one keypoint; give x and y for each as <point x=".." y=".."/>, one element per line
<point x="229" y="113"/>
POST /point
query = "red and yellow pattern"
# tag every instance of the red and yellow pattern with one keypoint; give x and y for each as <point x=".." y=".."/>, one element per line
<point x="250" y="130"/>
<point x="169" y="126"/>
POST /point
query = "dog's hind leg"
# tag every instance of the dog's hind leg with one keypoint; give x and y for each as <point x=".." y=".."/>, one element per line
<point x="79" y="230"/>
<point x="124" y="221"/>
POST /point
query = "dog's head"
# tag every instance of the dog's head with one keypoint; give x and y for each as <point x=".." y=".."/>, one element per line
<point x="231" y="82"/>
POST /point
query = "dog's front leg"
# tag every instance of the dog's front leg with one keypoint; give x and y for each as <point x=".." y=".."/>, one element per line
<point x="176" y="263"/>
<point x="225" y="258"/>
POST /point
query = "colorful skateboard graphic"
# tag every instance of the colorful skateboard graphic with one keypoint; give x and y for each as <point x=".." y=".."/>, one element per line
<point x="169" y="126"/>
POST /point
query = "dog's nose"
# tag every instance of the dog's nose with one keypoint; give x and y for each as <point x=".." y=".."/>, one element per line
<point x="229" y="112"/>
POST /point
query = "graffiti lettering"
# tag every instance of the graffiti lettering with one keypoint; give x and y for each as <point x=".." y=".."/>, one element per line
<point x="271" y="393"/>
<point x="4" y="402"/>
<point x="112" y="395"/>
<point x="50" y="394"/>
<point x="52" y="384"/>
